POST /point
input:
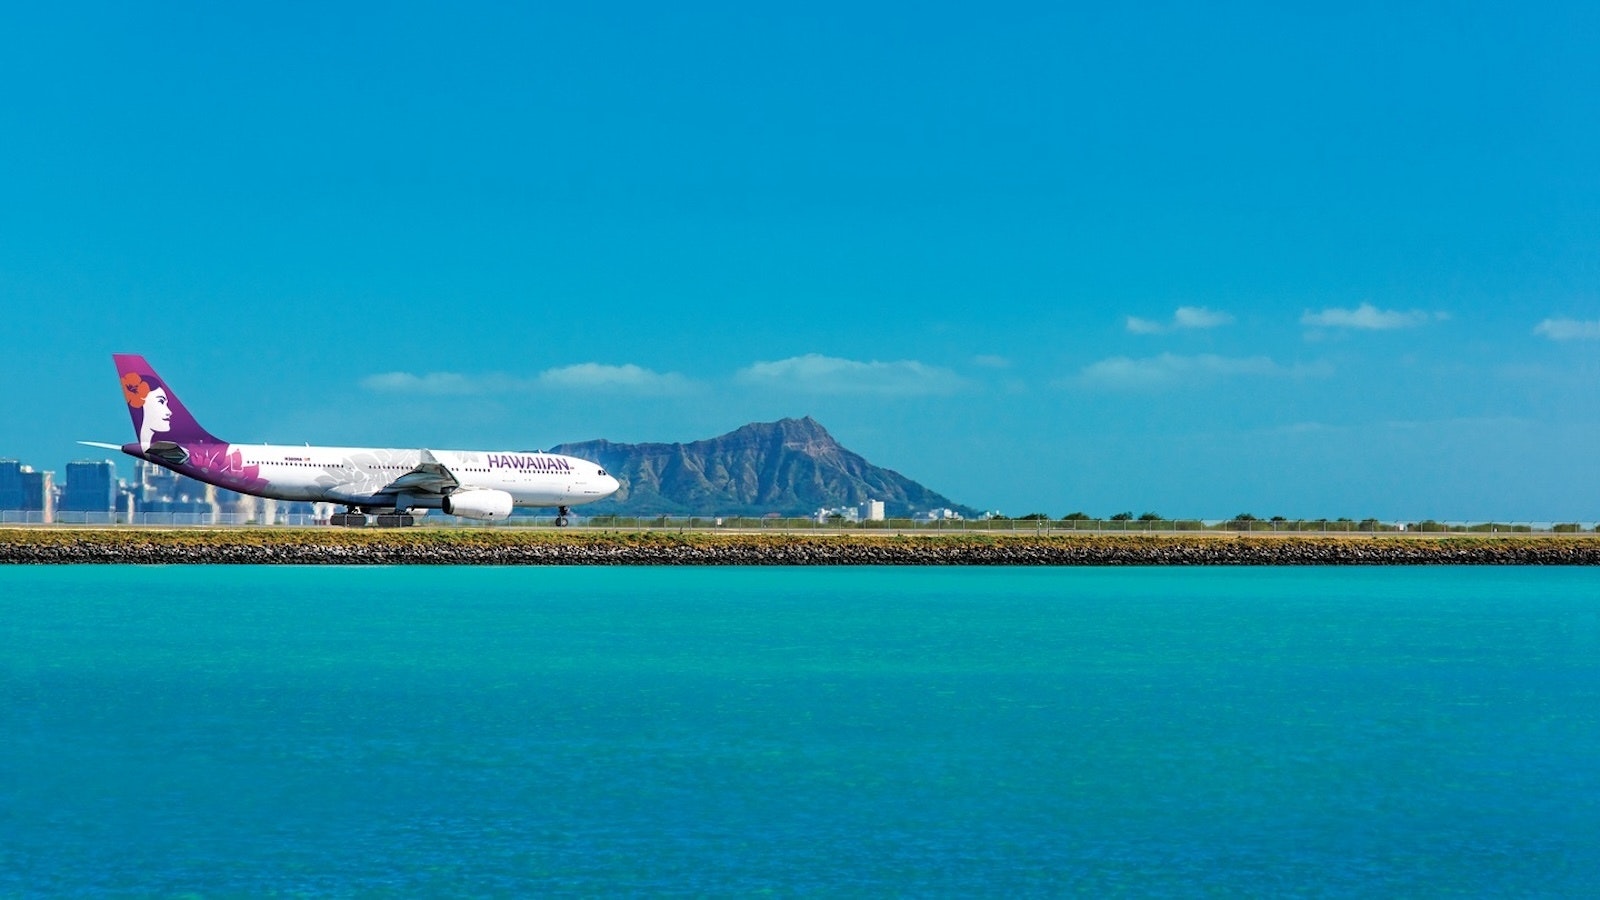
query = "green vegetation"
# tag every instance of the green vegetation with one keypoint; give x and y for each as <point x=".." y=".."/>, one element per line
<point x="486" y="546"/>
<point x="626" y="532"/>
<point x="134" y="539"/>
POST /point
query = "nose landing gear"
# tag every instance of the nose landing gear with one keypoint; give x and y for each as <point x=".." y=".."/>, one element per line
<point x="561" y="516"/>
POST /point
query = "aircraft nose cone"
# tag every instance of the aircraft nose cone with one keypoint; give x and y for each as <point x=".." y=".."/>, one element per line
<point x="609" y="486"/>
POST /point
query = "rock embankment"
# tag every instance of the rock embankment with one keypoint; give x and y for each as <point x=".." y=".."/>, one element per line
<point x="441" y="547"/>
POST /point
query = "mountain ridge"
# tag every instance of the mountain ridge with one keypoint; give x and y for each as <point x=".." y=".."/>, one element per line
<point x="791" y="467"/>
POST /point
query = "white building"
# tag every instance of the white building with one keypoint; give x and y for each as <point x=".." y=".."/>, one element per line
<point x="874" y="510"/>
<point x="847" y="513"/>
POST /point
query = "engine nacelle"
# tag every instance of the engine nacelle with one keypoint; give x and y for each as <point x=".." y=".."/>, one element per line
<point x="478" y="504"/>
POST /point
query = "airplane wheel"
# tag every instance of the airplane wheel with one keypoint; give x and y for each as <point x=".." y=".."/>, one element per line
<point x="561" y="521"/>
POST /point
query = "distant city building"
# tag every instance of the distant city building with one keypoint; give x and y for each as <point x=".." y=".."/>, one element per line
<point x="940" y="515"/>
<point x="126" y="506"/>
<point x="91" y="486"/>
<point x="239" y="507"/>
<point x="161" y="490"/>
<point x="847" y="513"/>
<point x="874" y="510"/>
<point x="278" y="511"/>
<point x="39" y="493"/>
<point x="10" y="484"/>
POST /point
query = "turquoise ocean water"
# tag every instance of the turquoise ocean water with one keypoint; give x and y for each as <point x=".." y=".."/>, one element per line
<point x="495" y="731"/>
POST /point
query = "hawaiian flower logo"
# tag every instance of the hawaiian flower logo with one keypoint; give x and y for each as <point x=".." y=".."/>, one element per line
<point x="135" y="389"/>
<point x="227" y="467"/>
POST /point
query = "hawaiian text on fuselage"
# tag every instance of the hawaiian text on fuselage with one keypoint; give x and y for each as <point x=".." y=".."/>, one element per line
<point x="535" y="463"/>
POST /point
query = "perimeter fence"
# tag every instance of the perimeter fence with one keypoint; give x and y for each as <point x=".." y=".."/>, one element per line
<point x="810" y="524"/>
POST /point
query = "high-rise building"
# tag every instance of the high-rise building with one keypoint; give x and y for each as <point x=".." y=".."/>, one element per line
<point x="160" y="490"/>
<point x="874" y="510"/>
<point x="39" y="492"/>
<point x="91" y="486"/>
<point x="10" y="484"/>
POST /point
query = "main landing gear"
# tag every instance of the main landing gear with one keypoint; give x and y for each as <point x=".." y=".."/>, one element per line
<point x="357" y="518"/>
<point x="561" y="516"/>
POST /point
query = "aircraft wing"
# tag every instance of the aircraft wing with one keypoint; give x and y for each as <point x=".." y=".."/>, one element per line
<point x="429" y="477"/>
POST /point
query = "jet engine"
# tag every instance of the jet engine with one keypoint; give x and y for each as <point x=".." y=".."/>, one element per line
<point x="479" y="503"/>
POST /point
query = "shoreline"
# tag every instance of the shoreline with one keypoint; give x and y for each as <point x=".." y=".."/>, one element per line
<point x="233" y="546"/>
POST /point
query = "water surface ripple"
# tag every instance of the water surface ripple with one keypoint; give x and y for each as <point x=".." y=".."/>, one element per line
<point x="492" y="731"/>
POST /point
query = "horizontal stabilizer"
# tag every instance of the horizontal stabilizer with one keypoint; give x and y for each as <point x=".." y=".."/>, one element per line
<point x="101" y="445"/>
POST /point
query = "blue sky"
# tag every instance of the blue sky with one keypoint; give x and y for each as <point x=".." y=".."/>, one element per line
<point x="1198" y="259"/>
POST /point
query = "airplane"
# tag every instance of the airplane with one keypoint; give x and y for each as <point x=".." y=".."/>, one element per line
<point x="474" y="484"/>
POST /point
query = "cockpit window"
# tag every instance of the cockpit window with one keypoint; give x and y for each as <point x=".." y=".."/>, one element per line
<point x="602" y="471"/>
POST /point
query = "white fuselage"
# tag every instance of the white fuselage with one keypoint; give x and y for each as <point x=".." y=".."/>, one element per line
<point x="368" y="474"/>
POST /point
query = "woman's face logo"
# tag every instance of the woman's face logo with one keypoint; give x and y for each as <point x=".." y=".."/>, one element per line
<point x="157" y="414"/>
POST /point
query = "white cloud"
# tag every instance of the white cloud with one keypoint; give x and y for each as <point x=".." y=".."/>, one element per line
<point x="991" y="361"/>
<point x="433" y="383"/>
<point x="630" y="379"/>
<point x="1184" y="318"/>
<point x="815" y="373"/>
<point x="1199" y="317"/>
<point x="1370" y="318"/>
<point x="1569" y="329"/>
<point x="1168" y="369"/>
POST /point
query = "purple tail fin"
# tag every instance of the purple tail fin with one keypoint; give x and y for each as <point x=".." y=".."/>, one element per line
<point x="158" y="414"/>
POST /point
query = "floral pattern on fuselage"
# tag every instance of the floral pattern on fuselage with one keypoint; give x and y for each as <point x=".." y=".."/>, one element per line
<point x="222" y="465"/>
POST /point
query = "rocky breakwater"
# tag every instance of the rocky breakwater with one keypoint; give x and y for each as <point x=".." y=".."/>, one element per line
<point x="484" y="547"/>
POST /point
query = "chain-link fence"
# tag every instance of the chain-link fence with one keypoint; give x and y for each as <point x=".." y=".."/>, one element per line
<point x="810" y="524"/>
